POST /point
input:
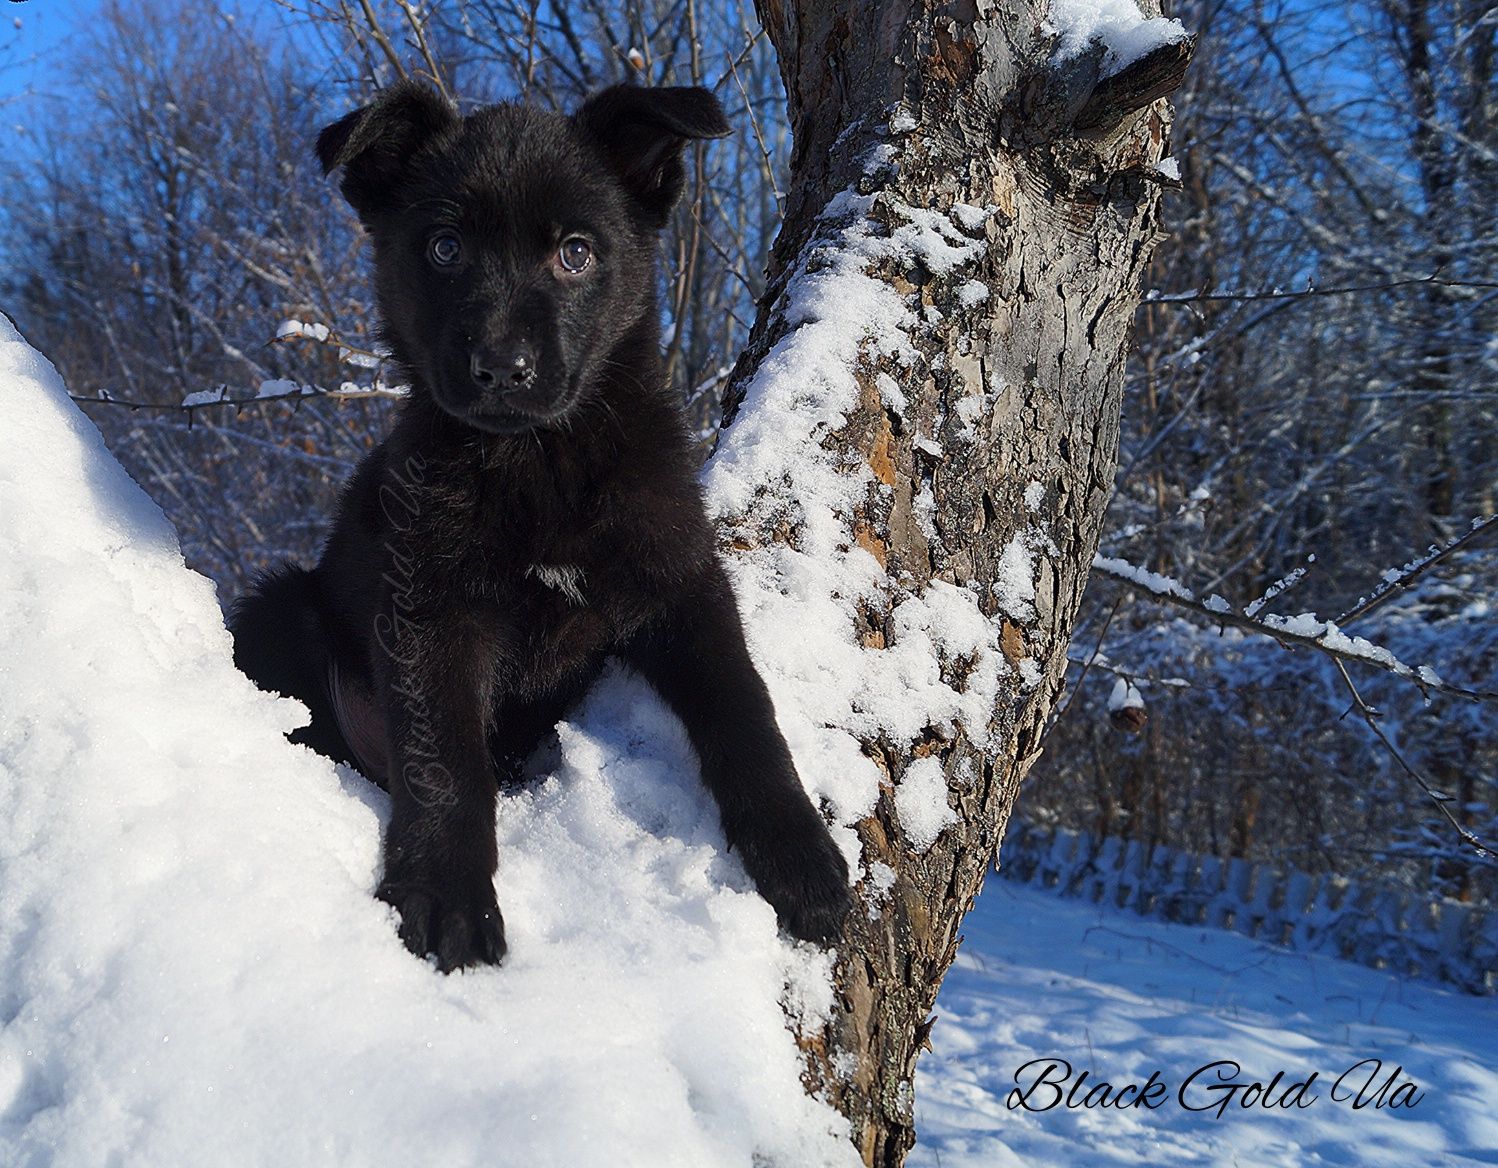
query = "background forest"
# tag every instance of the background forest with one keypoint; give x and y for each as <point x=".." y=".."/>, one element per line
<point x="1311" y="406"/>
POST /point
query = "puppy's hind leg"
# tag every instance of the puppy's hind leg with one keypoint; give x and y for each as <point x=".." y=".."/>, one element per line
<point x="282" y="644"/>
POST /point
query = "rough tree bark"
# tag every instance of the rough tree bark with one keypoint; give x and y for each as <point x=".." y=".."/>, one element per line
<point x="967" y="108"/>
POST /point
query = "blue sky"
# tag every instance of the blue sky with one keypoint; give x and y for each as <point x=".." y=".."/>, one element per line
<point x="45" y="29"/>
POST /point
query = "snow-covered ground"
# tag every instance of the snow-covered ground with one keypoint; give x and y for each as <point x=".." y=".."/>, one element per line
<point x="1041" y="978"/>
<point x="193" y="970"/>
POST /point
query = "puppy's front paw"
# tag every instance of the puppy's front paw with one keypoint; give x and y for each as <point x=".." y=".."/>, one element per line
<point x="461" y="931"/>
<point x="804" y="877"/>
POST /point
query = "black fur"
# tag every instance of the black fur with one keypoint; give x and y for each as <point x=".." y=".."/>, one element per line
<point x="534" y="509"/>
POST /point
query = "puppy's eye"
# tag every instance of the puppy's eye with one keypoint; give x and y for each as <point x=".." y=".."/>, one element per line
<point x="575" y="254"/>
<point x="445" y="249"/>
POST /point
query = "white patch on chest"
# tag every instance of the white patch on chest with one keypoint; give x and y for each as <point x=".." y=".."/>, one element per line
<point x="565" y="578"/>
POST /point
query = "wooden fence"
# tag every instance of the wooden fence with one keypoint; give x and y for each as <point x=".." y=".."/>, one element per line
<point x="1373" y="924"/>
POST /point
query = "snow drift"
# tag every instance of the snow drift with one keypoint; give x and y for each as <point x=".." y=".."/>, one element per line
<point x="195" y="970"/>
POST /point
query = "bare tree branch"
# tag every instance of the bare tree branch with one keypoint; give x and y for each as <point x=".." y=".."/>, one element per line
<point x="1292" y="632"/>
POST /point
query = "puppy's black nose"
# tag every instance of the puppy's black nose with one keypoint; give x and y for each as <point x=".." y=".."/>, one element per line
<point x="503" y="368"/>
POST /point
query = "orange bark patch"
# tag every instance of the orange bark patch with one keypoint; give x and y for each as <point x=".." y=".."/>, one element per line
<point x="1012" y="642"/>
<point x="954" y="61"/>
<point x="881" y="457"/>
<point x="864" y="536"/>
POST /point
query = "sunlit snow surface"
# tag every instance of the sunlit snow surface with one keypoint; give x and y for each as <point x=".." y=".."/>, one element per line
<point x="1120" y="996"/>
<point x="193" y="969"/>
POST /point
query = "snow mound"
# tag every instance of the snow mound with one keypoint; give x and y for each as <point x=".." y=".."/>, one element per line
<point x="195" y="969"/>
<point x="1125" y="32"/>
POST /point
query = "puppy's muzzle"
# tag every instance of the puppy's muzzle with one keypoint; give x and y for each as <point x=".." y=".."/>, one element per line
<point x="503" y="369"/>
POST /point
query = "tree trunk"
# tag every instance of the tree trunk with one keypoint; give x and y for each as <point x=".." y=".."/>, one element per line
<point x="987" y="461"/>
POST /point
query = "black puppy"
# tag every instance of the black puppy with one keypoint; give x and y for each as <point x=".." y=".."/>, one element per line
<point x="534" y="509"/>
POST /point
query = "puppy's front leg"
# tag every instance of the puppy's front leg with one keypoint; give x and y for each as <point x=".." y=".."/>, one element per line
<point x="440" y="851"/>
<point x="697" y="661"/>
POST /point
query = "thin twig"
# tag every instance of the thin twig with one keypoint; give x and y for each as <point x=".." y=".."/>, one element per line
<point x="417" y="23"/>
<point x="1086" y="665"/>
<point x="381" y="40"/>
<point x="1412" y="572"/>
<point x="304" y="393"/>
<point x="768" y="166"/>
<point x="1370" y="718"/>
<point x="1347" y="290"/>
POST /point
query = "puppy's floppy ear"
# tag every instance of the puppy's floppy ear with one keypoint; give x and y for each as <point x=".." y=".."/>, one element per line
<point x="373" y="144"/>
<point x="642" y="132"/>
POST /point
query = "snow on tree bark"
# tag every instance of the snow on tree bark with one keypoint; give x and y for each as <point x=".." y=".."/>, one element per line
<point x="966" y="463"/>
